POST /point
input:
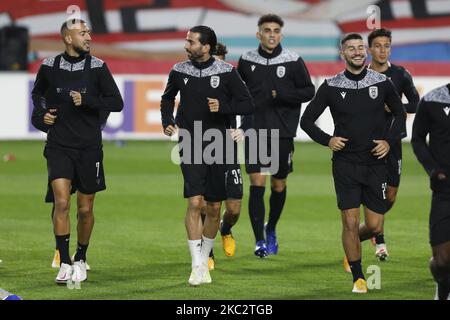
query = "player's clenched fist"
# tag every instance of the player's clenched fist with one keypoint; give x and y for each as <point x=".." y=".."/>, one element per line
<point x="76" y="97"/>
<point x="50" y="117"/>
<point x="213" y="104"/>
<point x="170" y="130"/>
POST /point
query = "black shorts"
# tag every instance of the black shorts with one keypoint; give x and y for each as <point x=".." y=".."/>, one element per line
<point x="233" y="182"/>
<point x="439" y="218"/>
<point x="358" y="184"/>
<point x="285" y="158"/>
<point x="394" y="165"/>
<point x="83" y="167"/>
<point x="205" y="180"/>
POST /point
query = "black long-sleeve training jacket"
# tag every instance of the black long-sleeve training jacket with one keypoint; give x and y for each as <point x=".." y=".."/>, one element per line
<point x="75" y="126"/>
<point x="404" y="85"/>
<point x="357" y="104"/>
<point x="198" y="81"/>
<point x="285" y="72"/>
<point x="433" y="118"/>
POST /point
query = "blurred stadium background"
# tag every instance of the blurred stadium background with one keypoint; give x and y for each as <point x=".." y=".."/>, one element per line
<point x="140" y="40"/>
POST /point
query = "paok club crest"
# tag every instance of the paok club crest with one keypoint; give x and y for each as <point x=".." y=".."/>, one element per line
<point x="373" y="92"/>
<point x="215" y="81"/>
<point x="281" y="71"/>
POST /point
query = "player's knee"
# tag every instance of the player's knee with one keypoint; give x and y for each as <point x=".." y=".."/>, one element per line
<point x="62" y="206"/>
<point x="234" y="211"/>
<point x="441" y="260"/>
<point x="278" y="185"/>
<point x="213" y="208"/>
<point x="196" y="203"/>
<point x="257" y="180"/>
<point x="351" y="224"/>
<point x="85" y="212"/>
<point x="233" y="208"/>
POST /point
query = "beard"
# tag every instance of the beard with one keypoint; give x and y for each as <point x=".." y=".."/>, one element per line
<point x="354" y="66"/>
<point x="80" y="50"/>
<point x="193" y="56"/>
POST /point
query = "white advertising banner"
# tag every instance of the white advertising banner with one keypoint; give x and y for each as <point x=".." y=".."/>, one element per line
<point x="140" y="118"/>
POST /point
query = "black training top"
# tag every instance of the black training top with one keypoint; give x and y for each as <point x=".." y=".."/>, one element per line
<point x="75" y="127"/>
<point x="433" y="118"/>
<point x="198" y="81"/>
<point x="357" y="104"/>
<point x="285" y="72"/>
<point x="404" y="85"/>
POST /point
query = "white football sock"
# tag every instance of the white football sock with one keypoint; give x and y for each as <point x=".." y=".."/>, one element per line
<point x="195" y="247"/>
<point x="207" y="245"/>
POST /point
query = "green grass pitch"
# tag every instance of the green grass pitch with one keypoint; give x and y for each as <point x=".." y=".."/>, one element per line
<point x="138" y="249"/>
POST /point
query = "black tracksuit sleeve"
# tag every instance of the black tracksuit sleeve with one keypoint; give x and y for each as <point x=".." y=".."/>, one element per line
<point x="242" y="102"/>
<point x="421" y="128"/>
<point x="109" y="98"/>
<point x="315" y="108"/>
<point x="395" y="104"/>
<point x="410" y="91"/>
<point x="39" y="101"/>
<point x="168" y="102"/>
<point x="302" y="89"/>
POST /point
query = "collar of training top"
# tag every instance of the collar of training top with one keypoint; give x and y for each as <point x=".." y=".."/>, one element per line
<point x="267" y="55"/>
<point x="355" y="77"/>
<point x="73" y="59"/>
<point x="203" y="65"/>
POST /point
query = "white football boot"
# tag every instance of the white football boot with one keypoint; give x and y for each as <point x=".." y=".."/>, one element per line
<point x="64" y="274"/>
<point x="381" y="252"/>
<point x="88" y="268"/>
<point x="79" y="271"/>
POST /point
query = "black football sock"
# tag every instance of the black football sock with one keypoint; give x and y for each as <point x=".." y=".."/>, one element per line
<point x="356" y="268"/>
<point x="443" y="289"/>
<point x="379" y="238"/>
<point x="62" y="242"/>
<point x="277" y="200"/>
<point x="225" y="229"/>
<point x="81" y="252"/>
<point x="441" y="274"/>
<point x="229" y="220"/>
<point x="256" y="210"/>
